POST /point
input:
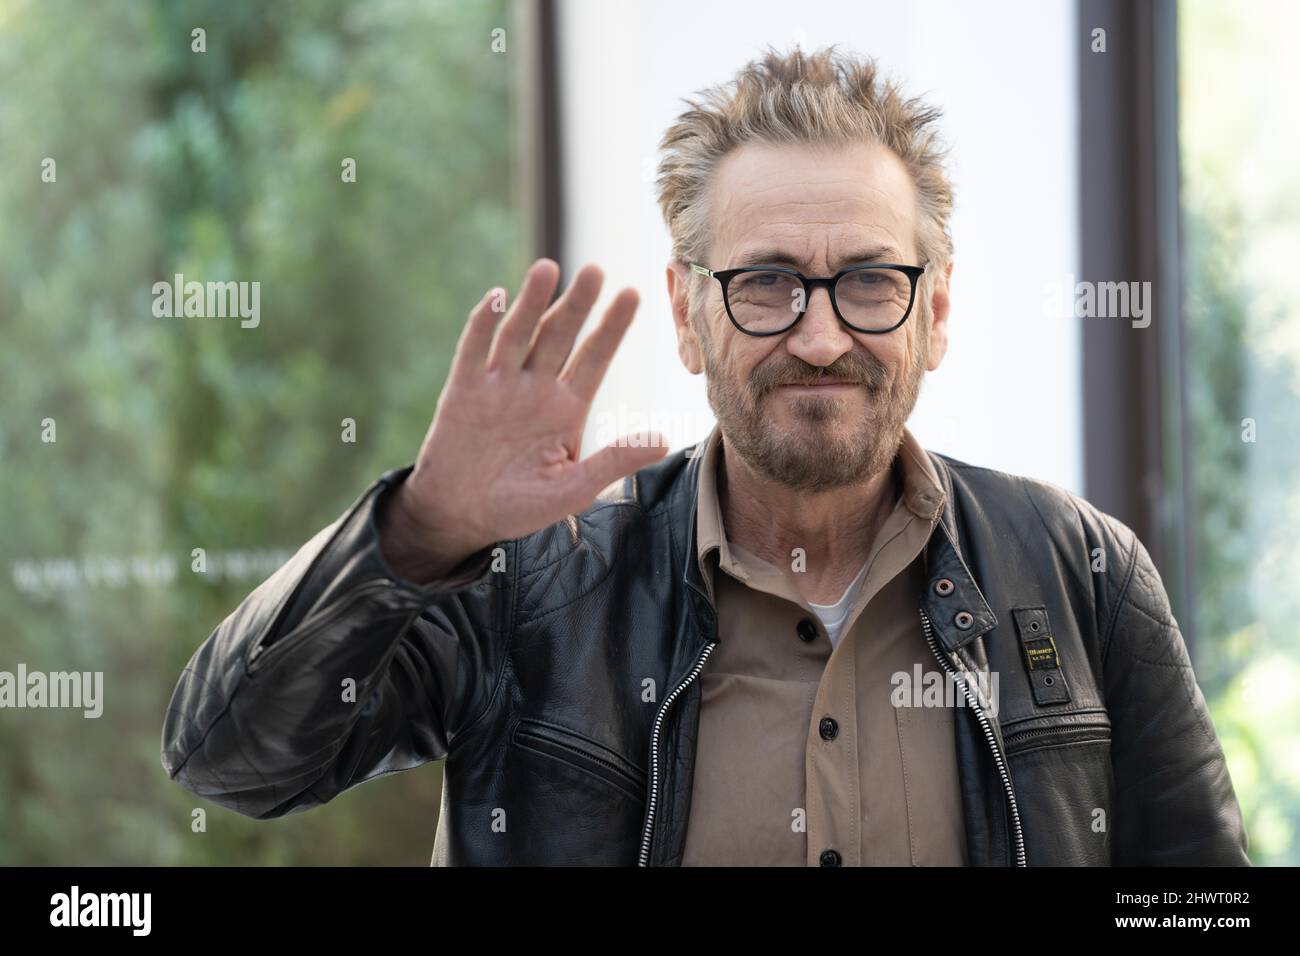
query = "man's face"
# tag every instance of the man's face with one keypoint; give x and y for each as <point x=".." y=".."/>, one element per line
<point x="816" y="210"/>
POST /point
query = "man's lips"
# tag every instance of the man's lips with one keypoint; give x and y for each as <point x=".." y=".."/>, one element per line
<point x="838" y="386"/>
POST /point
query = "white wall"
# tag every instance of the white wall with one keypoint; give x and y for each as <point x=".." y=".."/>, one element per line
<point x="1008" y="394"/>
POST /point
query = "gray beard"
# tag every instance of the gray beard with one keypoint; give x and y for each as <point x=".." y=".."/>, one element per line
<point x="809" y="457"/>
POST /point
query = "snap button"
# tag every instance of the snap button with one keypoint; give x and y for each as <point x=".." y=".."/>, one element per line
<point x="830" y="858"/>
<point x="964" y="620"/>
<point x="806" y="630"/>
<point x="828" y="728"/>
<point x="943" y="587"/>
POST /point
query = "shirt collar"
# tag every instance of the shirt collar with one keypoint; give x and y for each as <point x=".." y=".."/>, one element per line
<point x="923" y="495"/>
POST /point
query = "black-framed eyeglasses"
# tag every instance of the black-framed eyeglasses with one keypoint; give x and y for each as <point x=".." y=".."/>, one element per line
<point x="769" y="300"/>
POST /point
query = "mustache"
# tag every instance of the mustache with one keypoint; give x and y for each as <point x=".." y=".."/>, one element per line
<point x="852" y="368"/>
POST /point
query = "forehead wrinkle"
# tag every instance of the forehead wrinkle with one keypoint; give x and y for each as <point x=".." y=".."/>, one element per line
<point x="860" y="210"/>
<point x="815" y="228"/>
<point x="877" y="206"/>
<point x="750" y="185"/>
<point x="814" y="241"/>
<point x="775" y="255"/>
<point x="862" y="194"/>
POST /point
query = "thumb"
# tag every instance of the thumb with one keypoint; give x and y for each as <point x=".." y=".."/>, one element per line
<point x="622" y="457"/>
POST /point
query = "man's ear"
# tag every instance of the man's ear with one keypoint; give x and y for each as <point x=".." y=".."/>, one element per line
<point x="688" y="346"/>
<point x="939" y="318"/>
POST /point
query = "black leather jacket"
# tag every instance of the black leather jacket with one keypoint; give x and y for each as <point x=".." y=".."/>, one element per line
<point x="560" y="683"/>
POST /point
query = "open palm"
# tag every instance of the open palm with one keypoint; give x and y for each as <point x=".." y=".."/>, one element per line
<point x="500" y="459"/>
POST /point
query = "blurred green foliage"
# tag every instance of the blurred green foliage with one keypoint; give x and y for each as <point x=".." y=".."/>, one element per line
<point x="1241" y="202"/>
<point x="179" y="433"/>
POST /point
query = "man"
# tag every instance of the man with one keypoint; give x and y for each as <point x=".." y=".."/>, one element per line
<point x="811" y="643"/>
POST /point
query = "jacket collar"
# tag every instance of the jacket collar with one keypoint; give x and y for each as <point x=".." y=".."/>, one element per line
<point x="945" y="561"/>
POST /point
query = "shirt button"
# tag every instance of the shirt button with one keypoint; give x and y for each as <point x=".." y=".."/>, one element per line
<point x="806" y="630"/>
<point x="828" y="728"/>
<point x="830" y="858"/>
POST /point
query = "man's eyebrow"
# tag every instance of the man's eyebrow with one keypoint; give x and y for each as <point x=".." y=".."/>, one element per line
<point x="777" y="257"/>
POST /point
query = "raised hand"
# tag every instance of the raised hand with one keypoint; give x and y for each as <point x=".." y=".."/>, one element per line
<point x="500" y="459"/>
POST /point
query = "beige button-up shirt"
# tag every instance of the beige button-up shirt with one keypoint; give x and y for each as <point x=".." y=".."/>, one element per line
<point x="801" y="750"/>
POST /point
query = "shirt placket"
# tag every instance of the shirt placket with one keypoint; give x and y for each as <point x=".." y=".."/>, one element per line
<point x="833" y="779"/>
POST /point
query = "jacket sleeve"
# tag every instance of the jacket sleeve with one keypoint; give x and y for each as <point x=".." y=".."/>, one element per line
<point x="1174" y="800"/>
<point x="334" y="671"/>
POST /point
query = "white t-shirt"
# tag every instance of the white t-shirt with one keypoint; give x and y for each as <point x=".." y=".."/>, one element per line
<point x="834" y="615"/>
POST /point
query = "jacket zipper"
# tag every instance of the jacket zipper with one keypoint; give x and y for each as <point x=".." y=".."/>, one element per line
<point x="992" y="740"/>
<point x="576" y="750"/>
<point x="1083" y="732"/>
<point x="648" y="832"/>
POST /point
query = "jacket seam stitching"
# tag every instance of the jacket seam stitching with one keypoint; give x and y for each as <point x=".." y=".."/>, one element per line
<point x="605" y="576"/>
<point x="381" y="486"/>
<point x="582" y="518"/>
<point x="1119" y="603"/>
<point x="652" y="513"/>
<point x="1078" y="514"/>
<point x="215" y="720"/>
<point x="453" y="746"/>
<point x="1159" y="622"/>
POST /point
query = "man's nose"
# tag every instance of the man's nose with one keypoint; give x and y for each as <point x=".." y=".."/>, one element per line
<point x="820" y="337"/>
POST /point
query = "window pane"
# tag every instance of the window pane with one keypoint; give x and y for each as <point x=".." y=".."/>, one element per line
<point x="354" y="160"/>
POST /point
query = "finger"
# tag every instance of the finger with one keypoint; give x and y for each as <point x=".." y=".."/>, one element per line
<point x="559" y="326"/>
<point x="516" y="332"/>
<point x="620" y="458"/>
<point x="476" y="338"/>
<point x="590" y="361"/>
